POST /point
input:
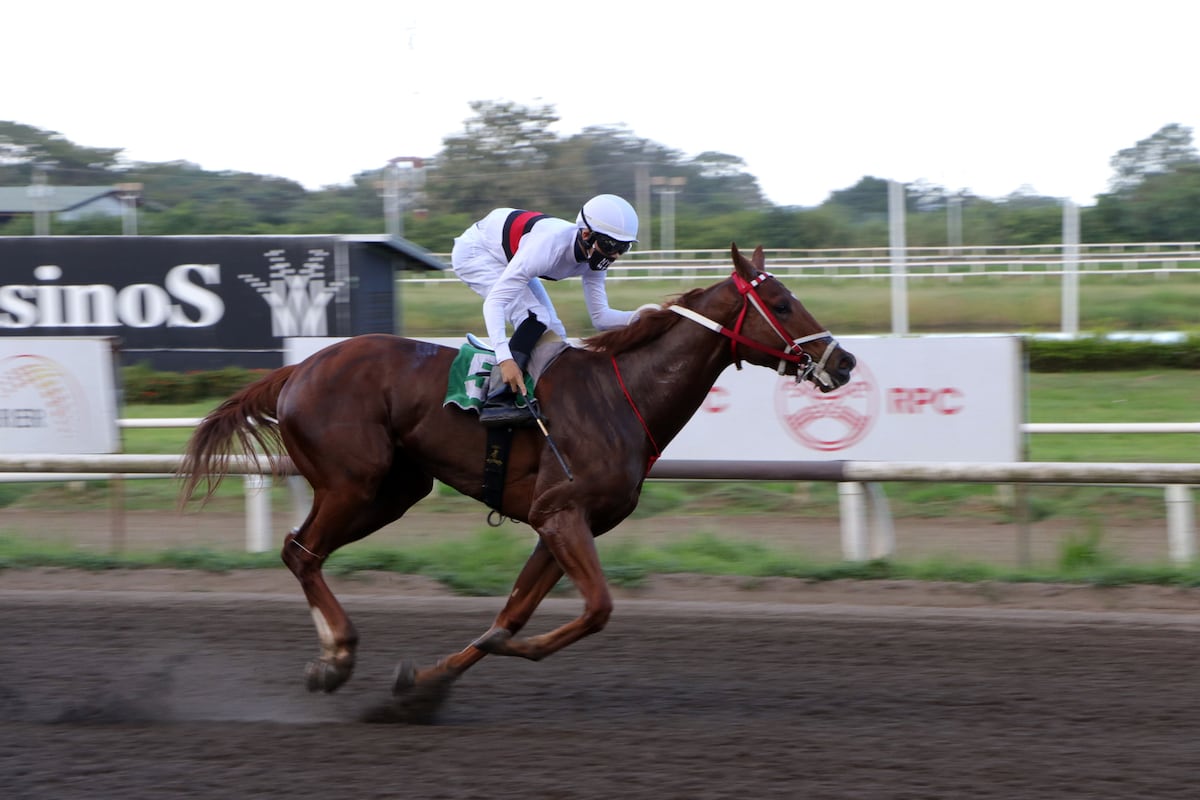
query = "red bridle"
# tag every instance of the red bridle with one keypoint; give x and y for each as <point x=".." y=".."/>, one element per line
<point x="792" y="353"/>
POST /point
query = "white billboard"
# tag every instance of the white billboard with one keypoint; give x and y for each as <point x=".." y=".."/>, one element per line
<point x="912" y="398"/>
<point x="58" y="396"/>
<point x="920" y="398"/>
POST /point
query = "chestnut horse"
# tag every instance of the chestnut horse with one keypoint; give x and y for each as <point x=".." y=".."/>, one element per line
<point x="364" y="422"/>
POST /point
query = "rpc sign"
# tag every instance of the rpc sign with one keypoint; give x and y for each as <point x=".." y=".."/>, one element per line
<point x="909" y="399"/>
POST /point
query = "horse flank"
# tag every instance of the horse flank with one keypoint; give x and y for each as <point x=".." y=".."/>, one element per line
<point x="245" y="424"/>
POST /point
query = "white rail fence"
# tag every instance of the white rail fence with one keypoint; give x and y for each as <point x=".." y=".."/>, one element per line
<point x="1143" y="258"/>
<point x="862" y="539"/>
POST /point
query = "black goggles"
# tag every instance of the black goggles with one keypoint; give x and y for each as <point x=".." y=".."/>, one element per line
<point x="610" y="246"/>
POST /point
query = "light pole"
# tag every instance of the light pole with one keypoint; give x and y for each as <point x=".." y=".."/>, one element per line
<point x="39" y="192"/>
<point x="667" y="188"/>
<point x="401" y="175"/>
<point x="129" y="194"/>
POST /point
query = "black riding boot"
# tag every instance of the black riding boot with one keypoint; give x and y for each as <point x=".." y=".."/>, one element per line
<point x="500" y="408"/>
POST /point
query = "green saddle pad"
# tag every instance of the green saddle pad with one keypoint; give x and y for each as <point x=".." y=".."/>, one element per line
<point x="469" y="376"/>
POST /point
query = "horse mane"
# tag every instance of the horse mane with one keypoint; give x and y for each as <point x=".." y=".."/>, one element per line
<point x="650" y="325"/>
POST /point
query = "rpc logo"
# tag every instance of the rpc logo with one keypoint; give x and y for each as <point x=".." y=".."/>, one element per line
<point x="828" y="421"/>
<point x="947" y="400"/>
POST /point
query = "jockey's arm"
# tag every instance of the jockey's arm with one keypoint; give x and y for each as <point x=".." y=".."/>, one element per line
<point x="595" y="295"/>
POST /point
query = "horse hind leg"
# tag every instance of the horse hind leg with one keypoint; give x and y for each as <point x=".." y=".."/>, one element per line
<point x="336" y="519"/>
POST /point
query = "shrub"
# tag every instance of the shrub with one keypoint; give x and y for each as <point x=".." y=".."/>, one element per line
<point x="1098" y="353"/>
<point x="142" y="384"/>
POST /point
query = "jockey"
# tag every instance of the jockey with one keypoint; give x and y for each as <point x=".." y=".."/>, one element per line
<point x="503" y="256"/>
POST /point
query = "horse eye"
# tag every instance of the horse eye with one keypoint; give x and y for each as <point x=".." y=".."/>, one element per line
<point x="783" y="307"/>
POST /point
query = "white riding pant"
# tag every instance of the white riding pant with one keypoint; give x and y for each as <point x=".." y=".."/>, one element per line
<point x="479" y="269"/>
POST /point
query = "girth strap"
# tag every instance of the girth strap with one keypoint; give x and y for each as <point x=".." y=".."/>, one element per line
<point x="495" y="465"/>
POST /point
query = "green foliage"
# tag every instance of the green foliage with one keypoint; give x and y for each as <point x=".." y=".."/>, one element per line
<point x="1096" y="353"/>
<point x="23" y="146"/>
<point x="1165" y="151"/>
<point x="1084" y="553"/>
<point x="141" y="384"/>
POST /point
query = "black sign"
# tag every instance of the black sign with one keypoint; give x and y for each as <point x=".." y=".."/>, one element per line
<point x="199" y="302"/>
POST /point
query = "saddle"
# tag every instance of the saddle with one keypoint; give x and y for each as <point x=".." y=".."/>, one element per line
<point x="472" y="379"/>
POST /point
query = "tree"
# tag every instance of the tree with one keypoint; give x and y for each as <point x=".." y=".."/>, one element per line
<point x="1164" y="151"/>
<point x="22" y="147"/>
<point x="1162" y="208"/>
<point x="721" y="183"/>
<point x="865" y="200"/>
<point x="497" y="160"/>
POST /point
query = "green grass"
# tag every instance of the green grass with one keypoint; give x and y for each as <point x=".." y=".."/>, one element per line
<point x="485" y="565"/>
<point x="863" y="306"/>
<point x="158" y="441"/>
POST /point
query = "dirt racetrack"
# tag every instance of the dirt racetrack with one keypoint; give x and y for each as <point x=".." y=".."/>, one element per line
<point x="146" y="693"/>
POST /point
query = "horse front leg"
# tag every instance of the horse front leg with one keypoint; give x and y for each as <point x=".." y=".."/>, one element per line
<point x="569" y="540"/>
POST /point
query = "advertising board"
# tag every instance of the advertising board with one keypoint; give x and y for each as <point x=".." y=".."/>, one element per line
<point x="918" y="398"/>
<point x="58" y="396"/>
<point x="200" y="302"/>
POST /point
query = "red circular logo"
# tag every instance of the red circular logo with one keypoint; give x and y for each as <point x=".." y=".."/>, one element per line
<point x="828" y="422"/>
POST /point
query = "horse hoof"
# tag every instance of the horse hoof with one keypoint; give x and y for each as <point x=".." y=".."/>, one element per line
<point x="404" y="678"/>
<point x="325" y="676"/>
<point x="417" y="696"/>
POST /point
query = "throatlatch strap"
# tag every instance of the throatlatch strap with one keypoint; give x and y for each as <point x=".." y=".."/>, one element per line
<point x="516" y="226"/>
<point x="495" y="465"/>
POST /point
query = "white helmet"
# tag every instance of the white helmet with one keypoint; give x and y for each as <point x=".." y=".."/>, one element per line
<point x="611" y="216"/>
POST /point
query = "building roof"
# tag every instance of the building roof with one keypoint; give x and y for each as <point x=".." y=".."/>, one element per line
<point x="20" y="199"/>
<point x="413" y="251"/>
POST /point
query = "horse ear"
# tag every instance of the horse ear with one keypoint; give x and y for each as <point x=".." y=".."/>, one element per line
<point x="740" y="264"/>
<point x="759" y="260"/>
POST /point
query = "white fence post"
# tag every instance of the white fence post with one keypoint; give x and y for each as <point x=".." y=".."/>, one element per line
<point x="854" y="530"/>
<point x="1181" y="528"/>
<point x="883" y="531"/>
<point x="301" y="499"/>
<point x="258" y="513"/>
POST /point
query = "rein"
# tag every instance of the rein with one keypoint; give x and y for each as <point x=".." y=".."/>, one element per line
<point x="792" y="353"/>
<point x="654" y="456"/>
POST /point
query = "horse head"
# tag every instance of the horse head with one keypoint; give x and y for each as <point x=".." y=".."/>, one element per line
<point x="769" y="326"/>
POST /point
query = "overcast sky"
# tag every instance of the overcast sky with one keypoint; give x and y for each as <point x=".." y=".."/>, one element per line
<point x="812" y="95"/>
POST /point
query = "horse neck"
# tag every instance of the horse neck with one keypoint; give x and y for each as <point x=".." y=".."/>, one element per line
<point x="668" y="380"/>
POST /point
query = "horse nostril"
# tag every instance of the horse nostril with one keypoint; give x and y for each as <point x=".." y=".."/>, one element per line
<point x="849" y="362"/>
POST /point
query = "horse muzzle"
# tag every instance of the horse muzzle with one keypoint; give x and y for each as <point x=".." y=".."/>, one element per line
<point x="831" y="372"/>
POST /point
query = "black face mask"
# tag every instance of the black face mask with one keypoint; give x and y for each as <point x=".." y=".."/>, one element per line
<point x="598" y="260"/>
<point x="603" y="250"/>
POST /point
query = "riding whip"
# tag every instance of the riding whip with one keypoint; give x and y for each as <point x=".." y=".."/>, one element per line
<point x="541" y="421"/>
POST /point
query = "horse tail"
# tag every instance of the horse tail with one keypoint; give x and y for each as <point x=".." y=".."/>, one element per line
<point x="244" y="424"/>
